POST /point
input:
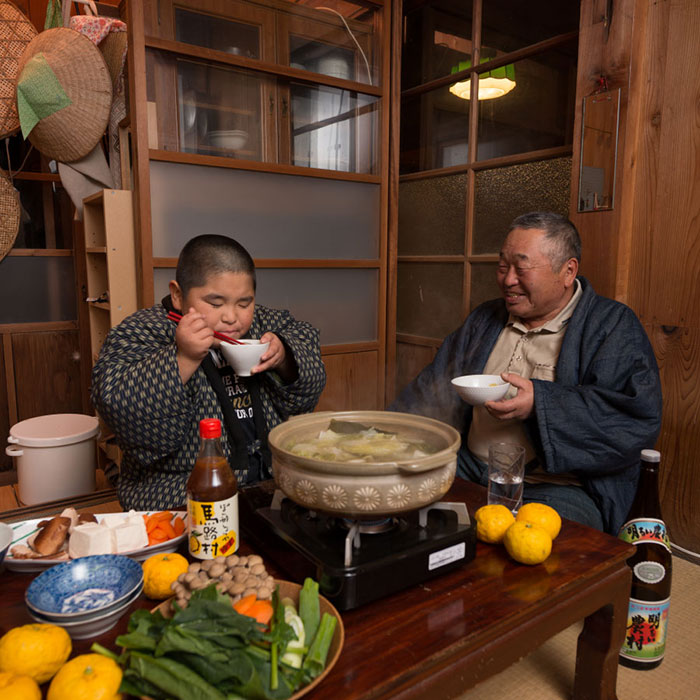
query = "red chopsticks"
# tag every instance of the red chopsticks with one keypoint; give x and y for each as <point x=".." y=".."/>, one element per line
<point x="174" y="316"/>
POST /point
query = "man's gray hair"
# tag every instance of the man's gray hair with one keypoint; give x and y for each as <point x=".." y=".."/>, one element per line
<point x="562" y="235"/>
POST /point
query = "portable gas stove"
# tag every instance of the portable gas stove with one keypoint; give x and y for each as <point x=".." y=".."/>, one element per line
<point x="356" y="561"/>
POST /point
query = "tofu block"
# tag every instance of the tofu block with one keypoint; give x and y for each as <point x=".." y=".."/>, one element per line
<point x="88" y="539"/>
<point x="130" y="536"/>
<point x="112" y="520"/>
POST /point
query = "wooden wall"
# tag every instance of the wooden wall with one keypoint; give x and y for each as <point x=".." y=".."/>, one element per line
<point x="646" y="252"/>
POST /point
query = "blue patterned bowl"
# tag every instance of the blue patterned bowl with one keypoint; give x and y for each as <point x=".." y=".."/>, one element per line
<point x="5" y="540"/>
<point x="77" y="589"/>
<point x="99" y="623"/>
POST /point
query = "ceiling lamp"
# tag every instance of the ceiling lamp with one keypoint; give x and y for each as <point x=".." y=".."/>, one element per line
<point x="495" y="83"/>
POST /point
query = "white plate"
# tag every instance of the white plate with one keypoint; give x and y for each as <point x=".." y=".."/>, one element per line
<point x="23" y="530"/>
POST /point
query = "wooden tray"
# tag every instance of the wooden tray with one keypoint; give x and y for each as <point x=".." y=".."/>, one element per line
<point x="287" y="589"/>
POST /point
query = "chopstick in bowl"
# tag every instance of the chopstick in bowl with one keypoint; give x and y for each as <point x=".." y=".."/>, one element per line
<point x="173" y="316"/>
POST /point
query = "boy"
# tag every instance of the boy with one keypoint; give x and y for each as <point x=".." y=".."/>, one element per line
<point x="155" y="380"/>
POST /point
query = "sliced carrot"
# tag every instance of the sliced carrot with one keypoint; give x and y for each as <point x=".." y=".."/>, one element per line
<point x="178" y="526"/>
<point x="167" y="528"/>
<point x="244" y="604"/>
<point x="261" y="610"/>
<point x="161" y="515"/>
<point x="156" y="536"/>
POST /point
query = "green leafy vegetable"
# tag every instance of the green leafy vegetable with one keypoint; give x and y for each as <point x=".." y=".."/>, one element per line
<point x="208" y="651"/>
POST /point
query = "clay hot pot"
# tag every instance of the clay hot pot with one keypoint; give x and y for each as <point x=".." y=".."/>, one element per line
<point x="359" y="489"/>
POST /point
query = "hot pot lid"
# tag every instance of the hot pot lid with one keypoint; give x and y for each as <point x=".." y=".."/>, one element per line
<point x="54" y="430"/>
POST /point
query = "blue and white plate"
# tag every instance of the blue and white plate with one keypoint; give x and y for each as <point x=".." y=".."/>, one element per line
<point x="76" y="588"/>
<point x="98" y="623"/>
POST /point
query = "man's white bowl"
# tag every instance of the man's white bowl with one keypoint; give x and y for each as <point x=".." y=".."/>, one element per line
<point x="477" y="389"/>
<point x="244" y="357"/>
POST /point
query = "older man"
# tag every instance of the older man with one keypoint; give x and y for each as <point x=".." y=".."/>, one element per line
<point x="585" y="396"/>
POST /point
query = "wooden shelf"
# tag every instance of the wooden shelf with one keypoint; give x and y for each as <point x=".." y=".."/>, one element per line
<point x="110" y="261"/>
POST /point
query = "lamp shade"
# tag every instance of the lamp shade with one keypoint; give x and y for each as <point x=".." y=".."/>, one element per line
<point x="492" y="84"/>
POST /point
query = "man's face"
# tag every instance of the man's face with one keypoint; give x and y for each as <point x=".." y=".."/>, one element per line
<point x="227" y="301"/>
<point x="531" y="289"/>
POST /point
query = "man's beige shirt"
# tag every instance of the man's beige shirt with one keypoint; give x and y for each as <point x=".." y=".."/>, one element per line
<point x="530" y="353"/>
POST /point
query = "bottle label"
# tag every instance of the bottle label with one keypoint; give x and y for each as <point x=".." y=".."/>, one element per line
<point x="649" y="571"/>
<point x="647" y="622"/>
<point x="212" y="527"/>
<point x="645" y="530"/>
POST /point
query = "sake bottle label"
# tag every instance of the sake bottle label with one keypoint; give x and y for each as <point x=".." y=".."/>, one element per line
<point x="645" y="639"/>
<point x="649" y="571"/>
<point x="645" y="530"/>
<point x="212" y="527"/>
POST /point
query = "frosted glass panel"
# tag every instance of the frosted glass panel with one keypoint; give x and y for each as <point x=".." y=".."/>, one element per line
<point x="273" y="216"/>
<point x="502" y="194"/>
<point x="429" y="298"/>
<point x="342" y="304"/>
<point x="431" y="216"/>
<point x="483" y="284"/>
<point x="41" y="289"/>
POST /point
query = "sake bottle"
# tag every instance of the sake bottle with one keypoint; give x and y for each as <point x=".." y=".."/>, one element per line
<point x="212" y="498"/>
<point x="647" y="617"/>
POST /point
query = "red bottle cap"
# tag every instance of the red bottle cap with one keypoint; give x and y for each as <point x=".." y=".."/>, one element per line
<point x="210" y="428"/>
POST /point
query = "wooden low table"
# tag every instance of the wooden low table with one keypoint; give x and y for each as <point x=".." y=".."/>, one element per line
<point x="440" y="638"/>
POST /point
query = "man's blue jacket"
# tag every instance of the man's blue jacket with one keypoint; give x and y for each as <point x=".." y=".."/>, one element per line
<point x="603" y="408"/>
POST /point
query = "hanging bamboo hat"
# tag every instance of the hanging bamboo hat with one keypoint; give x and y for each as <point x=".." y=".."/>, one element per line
<point x="16" y="31"/>
<point x="79" y="73"/>
<point x="9" y="214"/>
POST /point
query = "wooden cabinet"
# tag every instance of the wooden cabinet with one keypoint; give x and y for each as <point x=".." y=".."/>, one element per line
<point x="110" y="262"/>
<point x="270" y="82"/>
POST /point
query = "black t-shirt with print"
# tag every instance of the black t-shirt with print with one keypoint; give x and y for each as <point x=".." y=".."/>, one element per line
<point x="237" y="391"/>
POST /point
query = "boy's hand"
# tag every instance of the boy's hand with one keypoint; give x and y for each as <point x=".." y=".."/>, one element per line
<point x="193" y="338"/>
<point x="276" y="358"/>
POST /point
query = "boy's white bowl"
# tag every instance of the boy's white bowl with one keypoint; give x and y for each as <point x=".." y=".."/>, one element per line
<point x="477" y="389"/>
<point x="244" y="357"/>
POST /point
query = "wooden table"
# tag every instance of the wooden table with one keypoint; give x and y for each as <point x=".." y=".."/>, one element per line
<point x="442" y="637"/>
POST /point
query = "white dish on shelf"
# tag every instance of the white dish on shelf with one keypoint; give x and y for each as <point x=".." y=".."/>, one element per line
<point x="233" y="139"/>
<point x="23" y="530"/>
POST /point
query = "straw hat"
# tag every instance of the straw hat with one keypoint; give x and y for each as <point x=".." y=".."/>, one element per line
<point x="9" y="214"/>
<point x="73" y="131"/>
<point x="16" y="31"/>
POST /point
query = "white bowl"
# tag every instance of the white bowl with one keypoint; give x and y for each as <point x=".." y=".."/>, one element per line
<point x="244" y="357"/>
<point x="477" y="389"/>
<point x="233" y="139"/>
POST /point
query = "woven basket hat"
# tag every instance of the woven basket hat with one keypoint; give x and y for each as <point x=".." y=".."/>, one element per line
<point x="72" y="132"/>
<point x="16" y="31"/>
<point x="9" y="215"/>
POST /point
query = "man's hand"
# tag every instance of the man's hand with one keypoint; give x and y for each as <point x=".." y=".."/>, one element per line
<point x="276" y="358"/>
<point x="520" y="406"/>
<point x="193" y="338"/>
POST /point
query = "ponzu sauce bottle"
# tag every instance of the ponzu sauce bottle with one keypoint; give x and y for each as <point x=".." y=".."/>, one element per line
<point x="212" y="498"/>
<point x="647" y="618"/>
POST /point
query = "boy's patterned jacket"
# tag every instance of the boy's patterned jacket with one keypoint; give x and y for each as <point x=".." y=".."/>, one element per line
<point x="137" y="390"/>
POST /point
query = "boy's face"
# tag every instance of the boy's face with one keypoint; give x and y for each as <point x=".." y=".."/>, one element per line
<point x="227" y="301"/>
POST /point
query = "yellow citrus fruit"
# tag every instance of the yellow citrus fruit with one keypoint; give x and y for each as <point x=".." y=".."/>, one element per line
<point x="527" y="543"/>
<point x="492" y="522"/>
<point x="87" y="677"/>
<point x="35" y="650"/>
<point x="542" y="515"/>
<point x="15" y="687"/>
<point x="160" y="571"/>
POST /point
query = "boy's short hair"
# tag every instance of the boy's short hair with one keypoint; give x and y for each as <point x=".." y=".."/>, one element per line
<point x="211" y="254"/>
